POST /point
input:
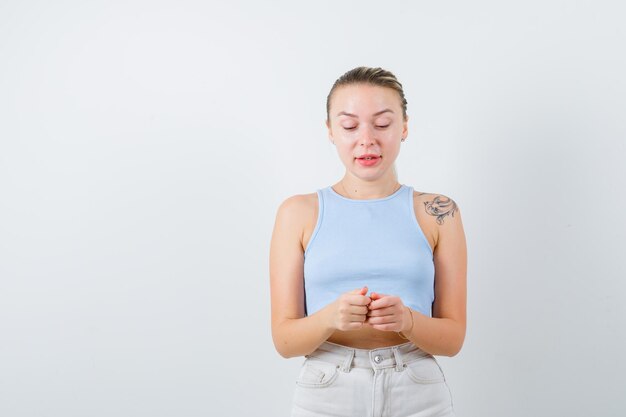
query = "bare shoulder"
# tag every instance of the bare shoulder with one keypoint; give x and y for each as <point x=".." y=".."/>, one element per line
<point x="439" y="206"/>
<point x="436" y="214"/>
<point x="298" y="207"/>
<point x="296" y="213"/>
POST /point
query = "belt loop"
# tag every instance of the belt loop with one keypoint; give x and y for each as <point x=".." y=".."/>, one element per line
<point x="345" y="367"/>
<point x="398" y="357"/>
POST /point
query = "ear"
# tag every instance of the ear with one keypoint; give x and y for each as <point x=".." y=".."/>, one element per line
<point x="330" y="132"/>
<point x="405" y="127"/>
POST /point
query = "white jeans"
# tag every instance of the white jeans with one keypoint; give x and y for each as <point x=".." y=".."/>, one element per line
<point x="394" y="381"/>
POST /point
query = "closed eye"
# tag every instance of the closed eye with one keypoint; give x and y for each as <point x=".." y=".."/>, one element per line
<point x="352" y="128"/>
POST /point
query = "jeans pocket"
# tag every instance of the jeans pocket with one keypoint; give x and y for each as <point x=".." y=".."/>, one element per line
<point x="317" y="374"/>
<point x="425" y="370"/>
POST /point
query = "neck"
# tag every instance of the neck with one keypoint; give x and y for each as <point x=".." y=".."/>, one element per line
<point x="358" y="189"/>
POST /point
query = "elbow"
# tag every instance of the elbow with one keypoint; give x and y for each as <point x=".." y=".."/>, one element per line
<point x="287" y="350"/>
<point x="456" y="347"/>
<point x="280" y="348"/>
<point x="284" y="342"/>
<point x="279" y="343"/>
<point x="453" y="352"/>
<point x="286" y="353"/>
<point x="283" y="352"/>
<point x="450" y="351"/>
<point x="283" y="348"/>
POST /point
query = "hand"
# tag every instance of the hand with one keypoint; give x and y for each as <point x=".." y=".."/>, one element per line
<point x="349" y="311"/>
<point x="388" y="313"/>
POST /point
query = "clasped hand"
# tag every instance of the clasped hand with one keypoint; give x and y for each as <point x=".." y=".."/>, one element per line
<point x="380" y="311"/>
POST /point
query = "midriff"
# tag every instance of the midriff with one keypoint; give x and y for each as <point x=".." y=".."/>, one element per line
<point x="366" y="338"/>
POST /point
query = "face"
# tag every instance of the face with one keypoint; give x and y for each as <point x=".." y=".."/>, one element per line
<point x="366" y="120"/>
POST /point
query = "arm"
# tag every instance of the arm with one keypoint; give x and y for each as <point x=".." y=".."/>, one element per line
<point x="444" y="332"/>
<point x="292" y="333"/>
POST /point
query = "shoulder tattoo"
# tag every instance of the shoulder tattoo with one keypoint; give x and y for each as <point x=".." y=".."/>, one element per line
<point x="441" y="206"/>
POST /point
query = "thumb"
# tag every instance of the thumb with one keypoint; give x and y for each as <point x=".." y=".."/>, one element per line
<point x="376" y="295"/>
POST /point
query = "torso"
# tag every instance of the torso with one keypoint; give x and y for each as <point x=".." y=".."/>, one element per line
<point x="366" y="337"/>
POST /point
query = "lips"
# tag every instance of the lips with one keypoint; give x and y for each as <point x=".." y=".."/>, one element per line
<point x="369" y="156"/>
<point x="369" y="160"/>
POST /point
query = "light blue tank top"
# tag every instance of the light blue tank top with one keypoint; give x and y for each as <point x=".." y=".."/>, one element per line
<point x="376" y="242"/>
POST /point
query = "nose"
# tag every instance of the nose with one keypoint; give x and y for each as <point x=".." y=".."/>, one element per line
<point x="367" y="136"/>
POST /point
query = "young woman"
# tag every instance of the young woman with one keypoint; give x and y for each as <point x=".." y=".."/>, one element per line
<point x="368" y="276"/>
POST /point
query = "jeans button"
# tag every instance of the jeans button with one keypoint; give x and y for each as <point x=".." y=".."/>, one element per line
<point x="378" y="358"/>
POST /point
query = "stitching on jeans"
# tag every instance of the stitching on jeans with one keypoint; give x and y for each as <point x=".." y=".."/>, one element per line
<point x="446" y="382"/>
<point x="332" y="379"/>
<point x="421" y="380"/>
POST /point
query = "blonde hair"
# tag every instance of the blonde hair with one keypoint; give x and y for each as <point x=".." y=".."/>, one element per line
<point x="371" y="76"/>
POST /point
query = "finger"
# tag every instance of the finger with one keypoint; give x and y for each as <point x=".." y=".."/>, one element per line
<point x="362" y="291"/>
<point x="361" y="309"/>
<point x="359" y="300"/>
<point x="384" y="311"/>
<point x="382" y="320"/>
<point x="354" y="325"/>
<point x="357" y="318"/>
<point x="381" y="303"/>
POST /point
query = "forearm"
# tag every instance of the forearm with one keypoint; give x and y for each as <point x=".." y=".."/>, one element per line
<point x="299" y="337"/>
<point x="437" y="336"/>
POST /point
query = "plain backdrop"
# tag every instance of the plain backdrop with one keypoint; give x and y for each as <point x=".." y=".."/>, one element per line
<point x="145" y="147"/>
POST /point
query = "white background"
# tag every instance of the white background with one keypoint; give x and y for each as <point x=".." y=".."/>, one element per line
<point x="146" y="145"/>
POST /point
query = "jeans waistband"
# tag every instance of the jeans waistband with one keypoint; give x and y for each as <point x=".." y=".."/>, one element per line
<point x="346" y="357"/>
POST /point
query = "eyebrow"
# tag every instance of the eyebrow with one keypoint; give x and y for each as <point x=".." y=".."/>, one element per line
<point x="354" y="115"/>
